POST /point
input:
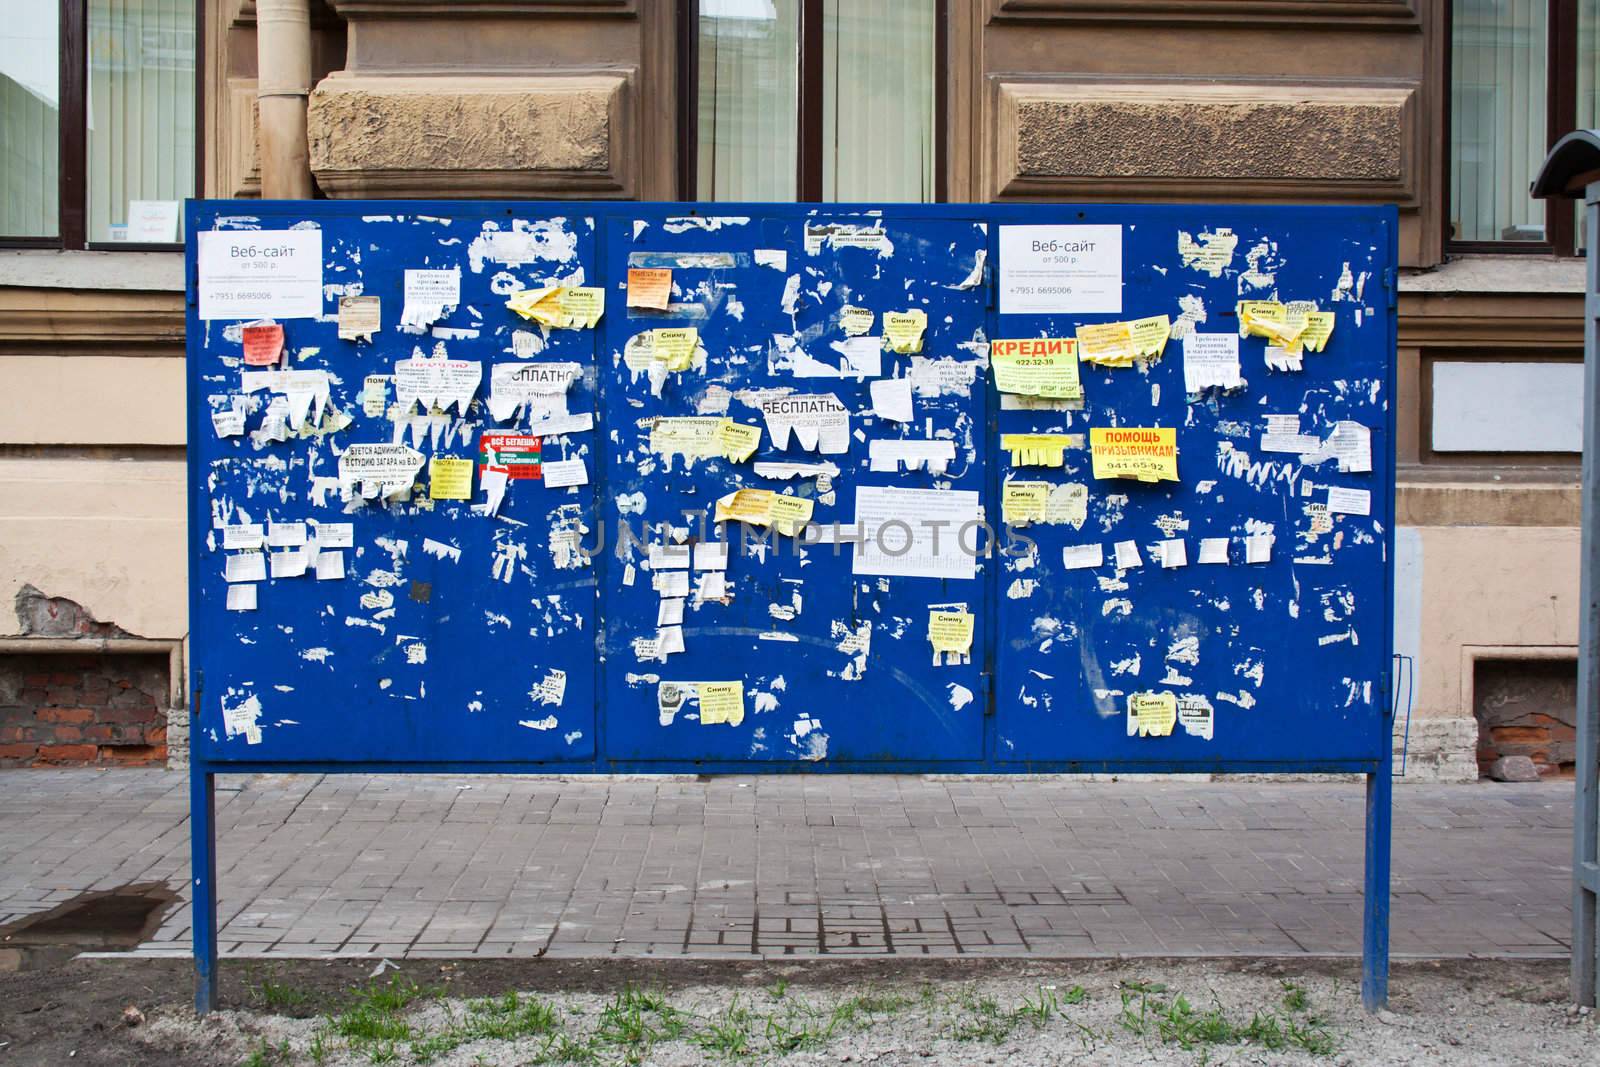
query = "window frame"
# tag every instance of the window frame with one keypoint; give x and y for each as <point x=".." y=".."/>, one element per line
<point x="72" y="162"/>
<point x="1561" y="117"/>
<point x="812" y="152"/>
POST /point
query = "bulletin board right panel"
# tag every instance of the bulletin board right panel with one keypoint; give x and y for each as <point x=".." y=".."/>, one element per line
<point x="1239" y="615"/>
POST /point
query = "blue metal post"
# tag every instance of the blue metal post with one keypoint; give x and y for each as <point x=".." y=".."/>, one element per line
<point x="203" y="883"/>
<point x="1375" y="899"/>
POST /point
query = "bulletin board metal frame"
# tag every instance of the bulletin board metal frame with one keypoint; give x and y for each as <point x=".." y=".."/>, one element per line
<point x="1367" y="752"/>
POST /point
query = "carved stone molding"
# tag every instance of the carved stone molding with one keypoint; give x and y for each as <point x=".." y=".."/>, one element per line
<point x="136" y="323"/>
<point x="406" y="9"/>
<point x="1309" y="14"/>
<point x="544" y="136"/>
<point x="241" y="162"/>
<point x="1500" y="322"/>
<point x="1181" y="140"/>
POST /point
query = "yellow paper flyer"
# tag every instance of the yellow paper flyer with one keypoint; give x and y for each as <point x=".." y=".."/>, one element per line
<point x="1039" y="449"/>
<point x="1148" y="453"/>
<point x="692" y="436"/>
<point x="855" y="321"/>
<point x="449" y="478"/>
<point x="789" y="513"/>
<point x="1319" y="327"/>
<point x="1023" y="502"/>
<point x="763" y="507"/>
<point x="1108" y="343"/>
<point x="560" y="307"/>
<point x="1152" y="714"/>
<point x="1068" y="505"/>
<point x="950" y="632"/>
<point x="675" y="347"/>
<point x="583" y="305"/>
<point x="721" y="702"/>
<point x="753" y="506"/>
<point x="1150" y="336"/>
<point x="737" y="441"/>
<point x="1269" y="319"/>
<point x="902" y="331"/>
<point x="1041" y="366"/>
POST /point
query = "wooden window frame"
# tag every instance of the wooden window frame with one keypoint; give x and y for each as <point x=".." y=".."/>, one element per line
<point x="72" y="163"/>
<point x="812" y="151"/>
<point x="1561" y="117"/>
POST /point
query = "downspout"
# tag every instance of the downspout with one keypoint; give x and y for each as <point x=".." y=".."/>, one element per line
<point x="283" y="82"/>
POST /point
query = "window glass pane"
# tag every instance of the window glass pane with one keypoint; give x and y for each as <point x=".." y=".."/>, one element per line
<point x="30" y="95"/>
<point x="1588" y="85"/>
<point x="877" y="94"/>
<point x="141" y="117"/>
<point x="1497" y="118"/>
<point x="749" y="63"/>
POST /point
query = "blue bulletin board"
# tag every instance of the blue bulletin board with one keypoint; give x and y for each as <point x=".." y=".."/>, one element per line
<point x="824" y="488"/>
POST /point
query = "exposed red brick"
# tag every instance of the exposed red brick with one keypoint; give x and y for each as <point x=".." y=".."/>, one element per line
<point x="68" y="753"/>
<point x="65" y="714"/>
<point x="83" y="708"/>
<point x="135" y="754"/>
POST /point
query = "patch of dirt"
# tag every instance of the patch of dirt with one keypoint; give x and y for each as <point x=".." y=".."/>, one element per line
<point x="946" y="1011"/>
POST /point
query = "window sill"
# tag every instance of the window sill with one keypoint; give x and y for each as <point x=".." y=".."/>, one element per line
<point x="1485" y="496"/>
<point x="1499" y="274"/>
<point x="27" y="268"/>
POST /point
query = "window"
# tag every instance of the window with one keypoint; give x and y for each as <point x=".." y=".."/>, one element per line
<point x="812" y="100"/>
<point x="1522" y="73"/>
<point x="97" y="121"/>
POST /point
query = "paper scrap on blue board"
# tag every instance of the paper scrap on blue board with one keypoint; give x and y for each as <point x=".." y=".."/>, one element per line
<point x="711" y="556"/>
<point x="563" y="473"/>
<point x="1211" y="360"/>
<point x="243" y="535"/>
<point x="671" y="583"/>
<point x="246" y="567"/>
<point x="1128" y="555"/>
<point x="1342" y="501"/>
<point x="429" y="293"/>
<point x="1082" y="557"/>
<point x="891" y="399"/>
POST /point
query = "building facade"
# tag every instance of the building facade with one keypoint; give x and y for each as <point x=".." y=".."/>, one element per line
<point x="114" y="111"/>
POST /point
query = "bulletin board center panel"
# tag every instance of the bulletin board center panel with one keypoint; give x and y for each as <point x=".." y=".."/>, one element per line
<point x="666" y="486"/>
<point x="797" y="339"/>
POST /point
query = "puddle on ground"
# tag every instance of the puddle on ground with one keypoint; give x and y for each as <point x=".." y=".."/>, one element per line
<point x="117" y="920"/>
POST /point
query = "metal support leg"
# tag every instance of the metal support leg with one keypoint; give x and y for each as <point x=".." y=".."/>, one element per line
<point x="1586" y="808"/>
<point x="1375" y="900"/>
<point x="203" y="883"/>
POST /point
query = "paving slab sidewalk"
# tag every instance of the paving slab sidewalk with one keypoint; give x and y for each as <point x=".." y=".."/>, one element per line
<point x="800" y="866"/>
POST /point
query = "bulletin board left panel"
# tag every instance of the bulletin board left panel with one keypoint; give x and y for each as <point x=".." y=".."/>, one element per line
<point x="389" y="483"/>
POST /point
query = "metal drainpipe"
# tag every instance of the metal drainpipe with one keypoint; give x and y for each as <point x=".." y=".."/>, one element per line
<point x="283" y="82"/>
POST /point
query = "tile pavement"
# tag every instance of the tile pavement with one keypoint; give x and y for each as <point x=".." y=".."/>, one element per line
<point x="842" y="866"/>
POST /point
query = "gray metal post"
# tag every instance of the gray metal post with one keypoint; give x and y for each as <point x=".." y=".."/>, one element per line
<point x="1585" y="825"/>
